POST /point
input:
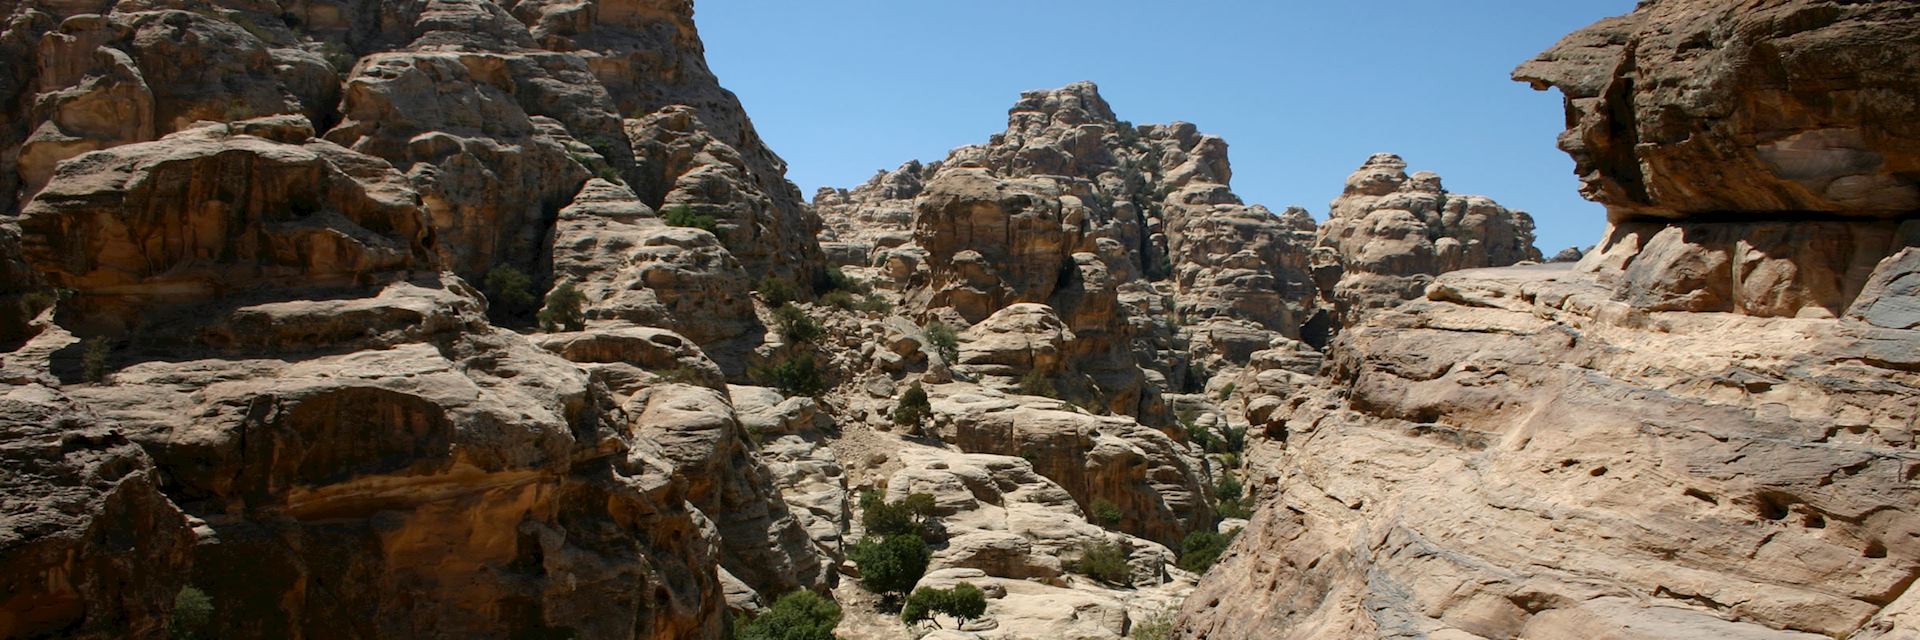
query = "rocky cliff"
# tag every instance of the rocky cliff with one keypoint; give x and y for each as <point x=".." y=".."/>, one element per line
<point x="245" y="247"/>
<point x="1704" y="429"/>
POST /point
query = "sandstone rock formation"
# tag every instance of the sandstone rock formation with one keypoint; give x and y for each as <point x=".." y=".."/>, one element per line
<point x="1717" y="138"/>
<point x="1140" y="220"/>
<point x="266" y="375"/>
<point x="92" y="548"/>
<point x="1394" y="232"/>
<point x="1701" y="430"/>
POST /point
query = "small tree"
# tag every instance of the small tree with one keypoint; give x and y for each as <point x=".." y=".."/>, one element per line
<point x="838" y="280"/>
<point x="1200" y="549"/>
<point x="563" y="310"/>
<point x="1232" y="498"/>
<point x="93" y="359"/>
<point x="509" y="292"/>
<point x="796" y="376"/>
<point x="944" y="341"/>
<point x="913" y="407"/>
<point x="912" y="515"/>
<point x="777" y="291"/>
<point x="192" y="612"/>
<point x="1105" y="512"/>
<point x="1158" y="626"/>
<point x="963" y="602"/>
<point x="681" y="215"/>
<point x="794" y="323"/>
<point x="890" y="565"/>
<point x="801" y="615"/>
<point x="1103" y="561"/>
<point x="1036" y="383"/>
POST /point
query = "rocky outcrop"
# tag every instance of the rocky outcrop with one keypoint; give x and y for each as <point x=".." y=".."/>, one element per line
<point x="266" y="375"/>
<point x="1518" y="457"/>
<point x="648" y="56"/>
<point x="1717" y="138"/>
<point x="1394" y="232"/>
<point x="1128" y="233"/>
<point x="635" y="270"/>
<point x="1160" y="490"/>
<point x="1700" y="430"/>
<point x="216" y="210"/>
<point x="92" y="548"/>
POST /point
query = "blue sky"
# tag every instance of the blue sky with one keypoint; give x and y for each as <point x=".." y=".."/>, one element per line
<point x="1303" y="92"/>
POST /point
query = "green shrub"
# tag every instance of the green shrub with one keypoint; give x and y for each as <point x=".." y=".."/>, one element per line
<point x="777" y="291"/>
<point x="1104" y="561"/>
<point x="1200" y="549"/>
<point x="563" y="310"/>
<point x="1199" y="435"/>
<point x="1105" y="512"/>
<point x="801" y="615"/>
<point x="944" y="341"/>
<point x="796" y="376"/>
<point x="681" y="215"/>
<point x="838" y="280"/>
<point x="1226" y="392"/>
<point x="1158" y="626"/>
<point x="1036" y="383"/>
<point x="1232" y="498"/>
<point x="681" y="375"/>
<point x="890" y="565"/>
<point x="608" y="173"/>
<point x="192" y="612"/>
<point x="912" y="515"/>
<point x="93" y="359"/>
<point x="794" y="324"/>
<point x="839" y="300"/>
<point x="963" y="602"/>
<point x="1233" y="439"/>
<point x="509" y="292"/>
<point x="1229" y="488"/>
<point x="873" y="302"/>
<point x="913" y="407"/>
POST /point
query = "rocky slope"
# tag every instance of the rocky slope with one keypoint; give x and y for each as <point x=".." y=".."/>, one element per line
<point x="1703" y="429"/>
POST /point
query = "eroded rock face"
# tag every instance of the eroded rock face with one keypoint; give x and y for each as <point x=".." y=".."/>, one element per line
<point x="263" y="220"/>
<point x="219" y="209"/>
<point x="1394" y="232"/>
<point x="1480" y="477"/>
<point x="633" y="269"/>
<point x="1700" y="430"/>
<point x="92" y="548"/>
<point x="1161" y="492"/>
<point x="1687" y="107"/>
<point x="1717" y="137"/>
<point x="1127" y="232"/>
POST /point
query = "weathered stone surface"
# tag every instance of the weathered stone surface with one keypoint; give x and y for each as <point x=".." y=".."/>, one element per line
<point x="1755" y="160"/>
<point x="633" y="269"/>
<point x="762" y="544"/>
<point x="260" y="211"/>
<point x="1394" y="232"/>
<point x="1691" y="107"/>
<point x="219" y="209"/>
<point x="92" y="548"/>
<point x="1521" y="457"/>
<point x="1126" y="232"/>
<point x="1160" y="491"/>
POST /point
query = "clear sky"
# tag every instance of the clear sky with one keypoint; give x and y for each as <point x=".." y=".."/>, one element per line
<point x="1302" y="91"/>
